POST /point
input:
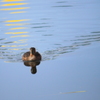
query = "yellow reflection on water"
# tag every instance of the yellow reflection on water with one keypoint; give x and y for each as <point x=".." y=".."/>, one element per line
<point x="15" y="32"/>
<point x="20" y="36"/>
<point x="15" y="49"/>
<point x="72" y="92"/>
<point x="21" y="24"/>
<point x="19" y="8"/>
<point x="17" y="28"/>
<point x="17" y="20"/>
<point x="11" y="0"/>
<point x="20" y="41"/>
<point x="17" y="12"/>
<point x="14" y="7"/>
<point x="13" y="45"/>
<point x="14" y="4"/>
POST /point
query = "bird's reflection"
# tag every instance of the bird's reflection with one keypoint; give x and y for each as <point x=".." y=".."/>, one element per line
<point x="33" y="65"/>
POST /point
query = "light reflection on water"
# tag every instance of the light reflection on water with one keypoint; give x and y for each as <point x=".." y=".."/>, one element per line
<point x="14" y="29"/>
<point x="11" y="0"/>
<point x="51" y="40"/>
<point x="14" y="4"/>
<point x="63" y="93"/>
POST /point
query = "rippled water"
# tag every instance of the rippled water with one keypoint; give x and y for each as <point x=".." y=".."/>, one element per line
<point x="55" y="27"/>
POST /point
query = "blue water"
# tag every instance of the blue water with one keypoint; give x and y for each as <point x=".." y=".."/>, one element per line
<point x="66" y="33"/>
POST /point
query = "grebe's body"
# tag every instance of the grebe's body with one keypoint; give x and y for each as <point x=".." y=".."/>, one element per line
<point x="32" y="55"/>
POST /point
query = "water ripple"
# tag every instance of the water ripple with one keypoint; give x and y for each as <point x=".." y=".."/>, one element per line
<point x="45" y="32"/>
<point x="79" y="41"/>
<point x="63" y="6"/>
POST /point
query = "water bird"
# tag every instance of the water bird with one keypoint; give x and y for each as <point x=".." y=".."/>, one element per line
<point x="32" y="55"/>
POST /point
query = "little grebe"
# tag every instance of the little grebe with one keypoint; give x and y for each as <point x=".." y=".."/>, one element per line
<point x="32" y="55"/>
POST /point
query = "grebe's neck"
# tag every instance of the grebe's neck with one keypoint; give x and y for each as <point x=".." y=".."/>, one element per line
<point x="32" y="52"/>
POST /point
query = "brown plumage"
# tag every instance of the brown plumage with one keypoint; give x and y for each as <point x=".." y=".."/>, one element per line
<point x="32" y="55"/>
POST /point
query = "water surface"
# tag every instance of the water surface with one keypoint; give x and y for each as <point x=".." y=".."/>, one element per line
<point x="66" y="33"/>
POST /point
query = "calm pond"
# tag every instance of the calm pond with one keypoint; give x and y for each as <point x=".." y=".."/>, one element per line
<point x="66" y="33"/>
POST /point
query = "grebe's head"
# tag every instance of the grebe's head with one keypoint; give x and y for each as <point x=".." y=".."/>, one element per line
<point x="32" y="50"/>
